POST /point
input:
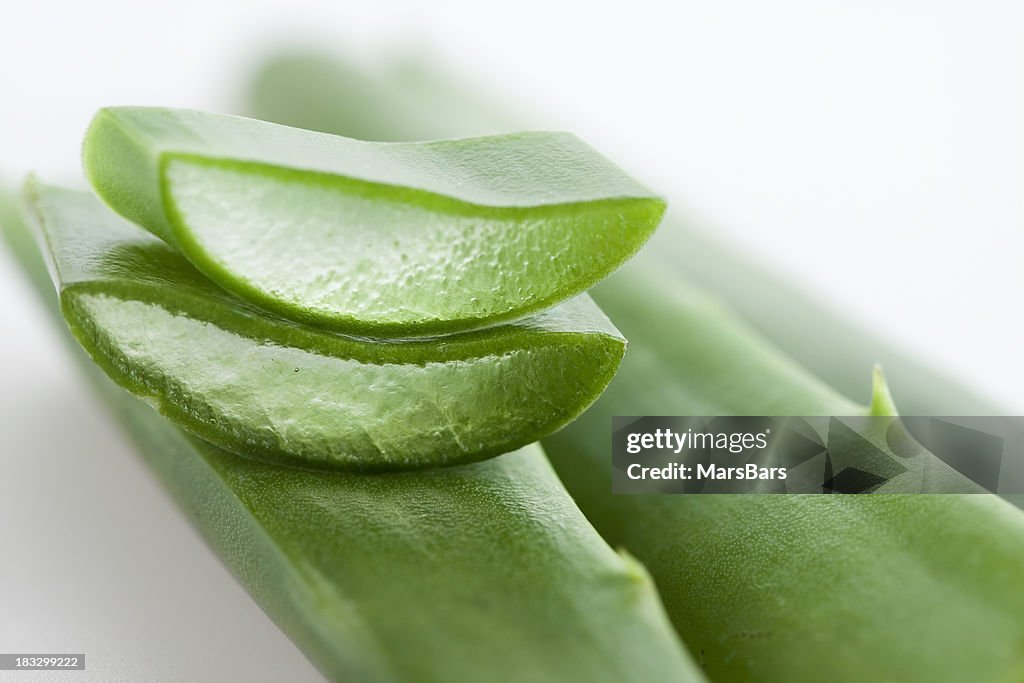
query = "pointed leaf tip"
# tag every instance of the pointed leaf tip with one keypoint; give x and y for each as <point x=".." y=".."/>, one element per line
<point x="882" y="403"/>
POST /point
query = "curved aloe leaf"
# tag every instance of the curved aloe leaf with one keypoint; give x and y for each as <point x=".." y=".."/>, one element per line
<point x="873" y="587"/>
<point x="788" y="588"/>
<point x="312" y="90"/>
<point x="281" y="392"/>
<point x="376" y="105"/>
<point x="446" y="575"/>
<point x="453" y="574"/>
<point x="378" y="239"/>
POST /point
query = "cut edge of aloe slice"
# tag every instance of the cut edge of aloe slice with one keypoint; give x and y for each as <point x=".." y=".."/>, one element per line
<point x="285" y="393"/>
<point x="381" y="239"/>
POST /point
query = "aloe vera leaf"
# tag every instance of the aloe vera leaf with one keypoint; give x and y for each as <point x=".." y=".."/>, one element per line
<point x="784" y="313"/>
<point x="876" y="587"/>
<point x="20" y="242"/>
<point x="804" y="326"/>
<point x="794" y="588"/>
<point x="312" y="90"/>
<point x="384" y="240"/>
<point x="378" y="103"/>
<point x="285" y="393"/>
<point x="475" y="572"/>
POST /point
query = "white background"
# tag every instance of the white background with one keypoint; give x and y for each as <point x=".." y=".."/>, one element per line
<point x="872" y="150"/>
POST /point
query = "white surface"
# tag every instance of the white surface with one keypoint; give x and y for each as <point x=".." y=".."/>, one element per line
<point x="873" y="150"/>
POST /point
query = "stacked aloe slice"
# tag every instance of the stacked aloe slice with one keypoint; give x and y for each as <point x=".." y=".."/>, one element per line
<point x="340" y="336"/>
<point x="280" y="303"/>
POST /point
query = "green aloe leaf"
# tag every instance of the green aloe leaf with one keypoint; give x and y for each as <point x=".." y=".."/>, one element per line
<point x="769" y="588"/>
<point x="369" y="238"/>
<point x="377" y="103"/>
<point x="313" y="90"/>
<point x="282" y="392"/>
<point x="868" y="588"/>
<point x="475" y="572"/>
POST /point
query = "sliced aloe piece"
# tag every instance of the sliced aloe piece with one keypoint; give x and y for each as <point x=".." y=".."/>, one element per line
<point x="473" y="573"/>
<point x="373" y="238"/>
<point x="281" y="392"/>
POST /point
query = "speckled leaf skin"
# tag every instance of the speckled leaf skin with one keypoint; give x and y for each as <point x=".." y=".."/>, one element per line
<point x="877" y="587"/>
<point x="281" y="392"/>
<point x="768" y="588"/>
<point x="479" y="572"/>
<point x="385" y="240"/>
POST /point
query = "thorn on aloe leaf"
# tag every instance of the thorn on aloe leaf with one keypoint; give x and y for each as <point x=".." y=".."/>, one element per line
<point x="882" y="403"/>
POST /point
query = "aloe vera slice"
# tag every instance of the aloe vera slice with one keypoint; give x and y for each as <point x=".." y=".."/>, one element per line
<point x="474" y="572"/>
<point x="368" y="238"/>
<point x="790" y="588"/>
<point x="282" y="392"/>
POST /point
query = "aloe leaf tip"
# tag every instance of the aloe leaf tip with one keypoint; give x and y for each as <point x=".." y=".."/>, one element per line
<point x="882" y="403"/>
